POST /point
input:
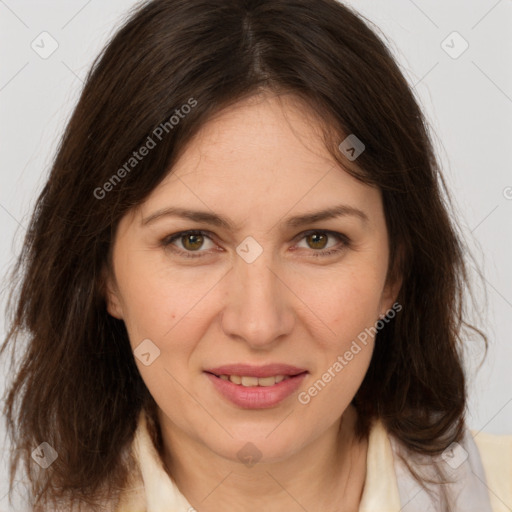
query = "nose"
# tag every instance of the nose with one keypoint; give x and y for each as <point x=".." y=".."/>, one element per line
<point x="258" y="305"/>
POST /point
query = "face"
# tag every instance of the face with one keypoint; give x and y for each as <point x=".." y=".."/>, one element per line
<point x="260" y="289"/>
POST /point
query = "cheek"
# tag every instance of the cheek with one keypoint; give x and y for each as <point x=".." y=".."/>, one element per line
<point x="347" y="302"/>
<point x="333" y="386"/>
<point x="156" y="300"/>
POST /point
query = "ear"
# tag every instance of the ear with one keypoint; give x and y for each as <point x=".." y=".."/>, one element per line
<point x="393" y="284"/>
<point x="111" y="294"/>
<point x="390" y="294"/>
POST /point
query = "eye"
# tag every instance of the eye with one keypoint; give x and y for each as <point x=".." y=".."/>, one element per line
<point x="317" y="239"/>
<point x="191" y="241"/>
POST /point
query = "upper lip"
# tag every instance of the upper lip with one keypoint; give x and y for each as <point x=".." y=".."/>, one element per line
<point x="268" y="370"/>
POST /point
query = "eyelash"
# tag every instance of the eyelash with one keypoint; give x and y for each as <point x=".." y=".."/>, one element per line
<point x="167" y="242"/>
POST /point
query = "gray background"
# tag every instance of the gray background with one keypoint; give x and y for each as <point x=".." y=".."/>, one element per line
<point x="468" y="101"/>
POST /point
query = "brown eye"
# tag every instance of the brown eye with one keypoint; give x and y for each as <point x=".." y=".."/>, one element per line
<point x="192" y="241"/>
<point x="189" y="243"/>
<point x="317" y="240"/>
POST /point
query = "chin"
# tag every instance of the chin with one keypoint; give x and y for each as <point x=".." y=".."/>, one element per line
<point x="251" y="446"/>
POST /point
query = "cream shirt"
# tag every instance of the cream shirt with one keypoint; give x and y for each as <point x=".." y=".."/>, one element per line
<point x="158" y="493"/>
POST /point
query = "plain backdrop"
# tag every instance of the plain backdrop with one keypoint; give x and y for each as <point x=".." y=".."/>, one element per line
<point x="466" y="94"/>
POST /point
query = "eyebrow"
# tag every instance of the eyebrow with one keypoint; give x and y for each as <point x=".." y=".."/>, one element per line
<point x="220" y="221"/>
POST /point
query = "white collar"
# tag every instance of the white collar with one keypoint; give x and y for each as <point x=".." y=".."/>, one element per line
<point x="161" y="492"/>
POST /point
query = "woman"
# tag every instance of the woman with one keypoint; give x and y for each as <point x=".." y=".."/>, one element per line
<point x="241" y="285"/>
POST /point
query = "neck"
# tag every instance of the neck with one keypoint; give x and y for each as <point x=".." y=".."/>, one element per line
<point x="327" y="474"/>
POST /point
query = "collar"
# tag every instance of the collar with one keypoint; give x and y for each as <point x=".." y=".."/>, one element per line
<point x="160" y="490"/>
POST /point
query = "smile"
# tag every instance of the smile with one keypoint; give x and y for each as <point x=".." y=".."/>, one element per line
<point x="248" y="392"/>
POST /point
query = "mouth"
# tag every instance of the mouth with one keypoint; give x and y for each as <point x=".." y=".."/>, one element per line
<point x="251" y="387"/>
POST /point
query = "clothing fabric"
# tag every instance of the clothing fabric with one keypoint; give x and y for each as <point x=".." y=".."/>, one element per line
<point x="480" y="467"/>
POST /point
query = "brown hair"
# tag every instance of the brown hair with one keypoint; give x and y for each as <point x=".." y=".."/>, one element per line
<point x="77" y="386"/>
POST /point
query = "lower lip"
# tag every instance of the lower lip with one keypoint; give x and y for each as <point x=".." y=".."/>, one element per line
<point x="256" y="397"/>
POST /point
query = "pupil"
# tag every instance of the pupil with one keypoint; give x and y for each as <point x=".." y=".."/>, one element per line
<point x="316" y="238"/>
<point x="195" y="239"/>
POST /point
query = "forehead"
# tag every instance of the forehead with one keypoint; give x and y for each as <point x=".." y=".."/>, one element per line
<point x="262" y="132"/>
<point x="259" y="138"/>
<point x="264" y="155"/>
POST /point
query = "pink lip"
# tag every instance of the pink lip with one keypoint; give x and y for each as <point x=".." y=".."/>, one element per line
<point x="268" y="370"/>
<point x="256" y="397"/>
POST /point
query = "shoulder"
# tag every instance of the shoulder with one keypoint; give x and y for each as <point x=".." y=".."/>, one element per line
<point x="478" y="470"/>
<point x="496" y="455"/>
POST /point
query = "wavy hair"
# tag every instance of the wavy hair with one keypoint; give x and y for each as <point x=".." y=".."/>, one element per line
<point x="74" y="380"/>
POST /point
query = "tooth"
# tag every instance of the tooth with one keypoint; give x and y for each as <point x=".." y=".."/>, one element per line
<point x="266" y="381"/>
<point x="249" y="381"/>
